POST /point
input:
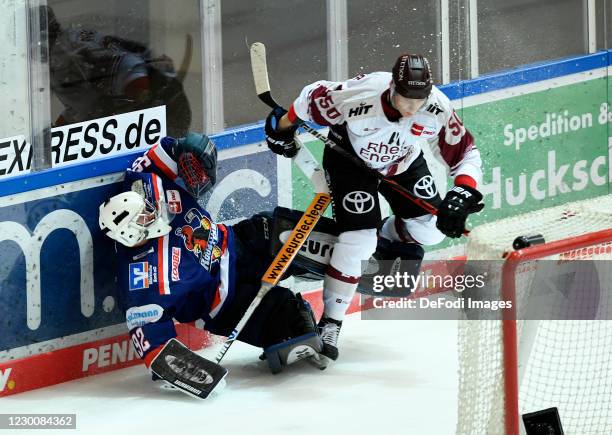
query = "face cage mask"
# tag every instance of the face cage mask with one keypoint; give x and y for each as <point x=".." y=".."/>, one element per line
<point x="149" y="223"/>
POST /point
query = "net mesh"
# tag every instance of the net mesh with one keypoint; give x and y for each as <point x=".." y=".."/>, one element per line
<point x="562" y="363"/>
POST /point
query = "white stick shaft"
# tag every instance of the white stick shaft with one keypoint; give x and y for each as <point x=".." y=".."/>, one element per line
<point x="260" y="68"/>
<point x="265" y="288"/>
<point x="311" y="168"/>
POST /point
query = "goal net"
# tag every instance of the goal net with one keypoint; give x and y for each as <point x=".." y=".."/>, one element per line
<point x="511" y="367"/>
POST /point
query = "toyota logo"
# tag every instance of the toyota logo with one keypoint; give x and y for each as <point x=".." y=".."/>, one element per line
<point x="358" y="202"/>
<point x="425" y="188"/>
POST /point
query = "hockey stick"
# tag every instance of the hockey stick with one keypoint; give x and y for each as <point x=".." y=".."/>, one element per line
<point x="184" y="68"/>
<point x="262" y="87"/>
<point x="281" y="262"/>
<point x="296" y="239"/>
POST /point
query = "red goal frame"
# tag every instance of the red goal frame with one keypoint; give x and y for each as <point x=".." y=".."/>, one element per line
<point x="509" y="327"/>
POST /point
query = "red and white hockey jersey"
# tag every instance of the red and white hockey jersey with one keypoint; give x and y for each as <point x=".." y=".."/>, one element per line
<point x="380" y="136"/>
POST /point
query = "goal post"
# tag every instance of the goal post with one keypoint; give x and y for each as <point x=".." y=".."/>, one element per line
<point x="511" y="366"/>
<point x="599" y="242"/>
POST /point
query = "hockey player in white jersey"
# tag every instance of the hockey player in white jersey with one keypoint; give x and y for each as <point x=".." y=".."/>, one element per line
<point x="383" y="118"/>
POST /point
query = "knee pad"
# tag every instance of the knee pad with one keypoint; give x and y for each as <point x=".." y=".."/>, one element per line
<point x="391" y="250"/>
<point x="390" y="258"/>
<point x="351" y="249"/>
<point x="420" y="229"/>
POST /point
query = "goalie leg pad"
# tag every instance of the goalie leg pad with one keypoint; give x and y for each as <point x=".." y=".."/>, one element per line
<point x="293" y="317"/>
<point x="281" y="315"/>
<point x="262" y="236"/>
<point x="313" y="258"/>
<point x="307" y="346"/>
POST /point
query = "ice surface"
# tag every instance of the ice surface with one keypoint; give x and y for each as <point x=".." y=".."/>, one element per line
<point x="393" y="377"/>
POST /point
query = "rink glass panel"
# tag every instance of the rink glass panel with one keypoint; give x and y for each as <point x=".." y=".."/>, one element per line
<point x="603" y="36"/>
<point x="117" y="56"/>
<point x="608" y="22"/>
<point x="295" y="35"/>
<point x="459" y="40"/>
<point x="13" y="68"/>
<point x="379" y="32"/>
<point x="519" y="32"/>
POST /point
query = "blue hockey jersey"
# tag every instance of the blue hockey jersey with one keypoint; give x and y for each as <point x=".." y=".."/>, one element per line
<point x="185" y="275"/>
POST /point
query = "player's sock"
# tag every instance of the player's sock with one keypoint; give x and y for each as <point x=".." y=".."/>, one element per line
<point x="340" y="282"/>
<point x="338" y="292"/>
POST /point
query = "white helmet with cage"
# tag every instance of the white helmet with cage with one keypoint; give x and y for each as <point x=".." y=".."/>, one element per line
<point x="129" y="218"/>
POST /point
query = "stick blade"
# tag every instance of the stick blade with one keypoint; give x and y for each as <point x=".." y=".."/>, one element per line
<point x="260" y="69"/>
<point x="260" y="74"/>
<point x="187" y="371"/>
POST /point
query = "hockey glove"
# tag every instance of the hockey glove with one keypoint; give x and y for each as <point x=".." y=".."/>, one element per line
<point x="196" y="179"/>
<point x="280" y="142"/>
<point x="459" y="202"/>
<point x="196" y="156"/>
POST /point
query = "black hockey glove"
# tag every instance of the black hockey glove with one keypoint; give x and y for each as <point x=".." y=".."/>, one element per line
<point x="459" y="202"/>
<point x="196" y="156"/>
<point x="280" y="142"/>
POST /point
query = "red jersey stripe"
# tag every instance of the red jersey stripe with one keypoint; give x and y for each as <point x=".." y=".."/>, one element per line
<point x="293" y="118"/>
<point x="160" y="163"/>
<point x="336" y="274"/>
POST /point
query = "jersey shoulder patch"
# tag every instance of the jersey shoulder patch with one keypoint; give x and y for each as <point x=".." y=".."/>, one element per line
<point x="360" y="97"/>
<point x="379" y="80"/>
<point x="438" y="104"/>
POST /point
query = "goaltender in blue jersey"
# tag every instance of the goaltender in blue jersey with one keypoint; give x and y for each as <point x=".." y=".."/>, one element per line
<point x="196" y="259"/>
<point x="175" y="263"/>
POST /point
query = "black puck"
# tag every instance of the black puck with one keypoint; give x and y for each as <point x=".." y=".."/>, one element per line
<point x="527" y="241"/>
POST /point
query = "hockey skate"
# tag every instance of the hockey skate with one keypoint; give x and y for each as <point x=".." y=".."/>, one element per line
<point x="329" y="329"/>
